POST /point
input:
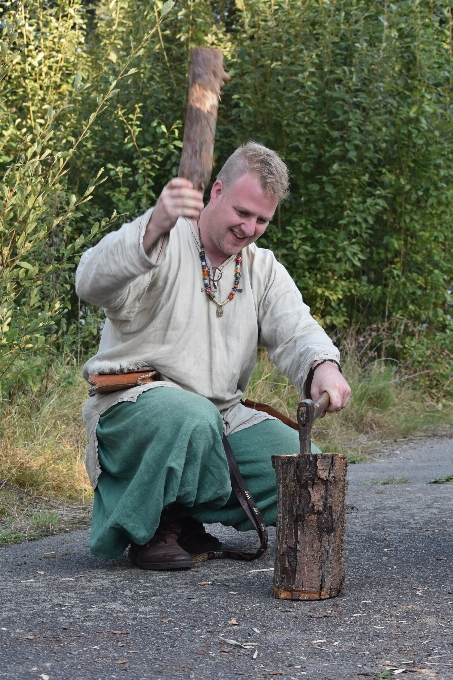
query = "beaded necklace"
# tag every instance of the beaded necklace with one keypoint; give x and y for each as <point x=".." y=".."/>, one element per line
<point x="208" y="289"/>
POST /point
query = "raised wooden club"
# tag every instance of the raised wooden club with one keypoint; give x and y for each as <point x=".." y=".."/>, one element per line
<point x="205" y="81"/>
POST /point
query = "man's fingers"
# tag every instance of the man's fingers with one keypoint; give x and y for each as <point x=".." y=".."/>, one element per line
<point x="187" y="203"/>
<point x="339" y="396"/>
<point x="179" y="182"/>
<point x="338" y="402"/>
<point x="179" y="186"/>
<point x="181" y="201"/>
<point x="178" y="198"/>
<point x="177" y="208"/>
<point x="335" y="402"/>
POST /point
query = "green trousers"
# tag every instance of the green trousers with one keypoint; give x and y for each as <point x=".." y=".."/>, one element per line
<point x="167" y="447"/>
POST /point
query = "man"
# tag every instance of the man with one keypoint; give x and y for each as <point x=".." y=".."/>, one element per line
<point x="194" y="297"/>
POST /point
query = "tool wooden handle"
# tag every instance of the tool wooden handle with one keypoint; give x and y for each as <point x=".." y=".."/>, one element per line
<point x="321" y="404"/>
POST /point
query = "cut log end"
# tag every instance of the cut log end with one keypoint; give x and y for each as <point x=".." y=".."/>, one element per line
<point x="281" y="594"/>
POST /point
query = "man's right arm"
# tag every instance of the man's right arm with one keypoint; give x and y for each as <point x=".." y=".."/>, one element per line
<point x="110" y="275"/>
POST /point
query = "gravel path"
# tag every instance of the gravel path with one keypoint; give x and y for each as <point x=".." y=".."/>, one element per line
<point x="66" y="614"/>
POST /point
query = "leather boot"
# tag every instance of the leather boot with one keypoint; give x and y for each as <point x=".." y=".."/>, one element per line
<point x="162" y="551"/>
<point x="194" y="538"/>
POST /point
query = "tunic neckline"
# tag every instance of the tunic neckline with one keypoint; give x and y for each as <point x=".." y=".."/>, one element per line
<point x="197" y="240"/>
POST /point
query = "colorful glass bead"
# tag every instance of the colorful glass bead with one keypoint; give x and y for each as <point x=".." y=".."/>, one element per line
<point x="208" y="289"/>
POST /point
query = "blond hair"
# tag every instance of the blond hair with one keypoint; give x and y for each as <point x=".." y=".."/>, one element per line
<point x="263" y="163"/>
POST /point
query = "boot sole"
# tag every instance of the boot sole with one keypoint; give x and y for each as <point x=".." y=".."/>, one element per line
<point x="197" y="548"/>
<point x="163" y="566"/>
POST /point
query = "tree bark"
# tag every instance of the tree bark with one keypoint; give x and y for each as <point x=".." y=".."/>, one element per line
<point x="206" y="79"/>
<point x="310" y="526"/>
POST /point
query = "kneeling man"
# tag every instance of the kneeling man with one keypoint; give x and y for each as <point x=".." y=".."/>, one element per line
<point x="187" y="292"/>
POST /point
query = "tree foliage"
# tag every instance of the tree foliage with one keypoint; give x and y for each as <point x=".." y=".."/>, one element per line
<point x="38" y="210"/>
<point x="354" y="95"/>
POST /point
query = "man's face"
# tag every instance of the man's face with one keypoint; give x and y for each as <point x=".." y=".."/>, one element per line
<point x="237" y="216"/>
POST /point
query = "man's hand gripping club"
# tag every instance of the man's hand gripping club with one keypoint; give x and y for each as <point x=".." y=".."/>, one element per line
<point x="178" y="199"/>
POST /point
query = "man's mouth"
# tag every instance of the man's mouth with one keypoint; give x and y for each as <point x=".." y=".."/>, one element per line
<point x="237" y="236"/>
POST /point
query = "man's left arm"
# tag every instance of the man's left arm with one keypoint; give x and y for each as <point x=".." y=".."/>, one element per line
<point x="296" y="342"/>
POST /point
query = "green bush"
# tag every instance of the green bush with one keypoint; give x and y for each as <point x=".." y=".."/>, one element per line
<point x="43" y="131"/>
<point x="355" y="96"/>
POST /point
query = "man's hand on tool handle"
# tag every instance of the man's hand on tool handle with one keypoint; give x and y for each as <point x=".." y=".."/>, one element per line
<point x="327" y="378"/>
<point x="178" y="197"/>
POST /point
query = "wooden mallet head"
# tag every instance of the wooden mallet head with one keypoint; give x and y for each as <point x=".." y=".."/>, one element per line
<point x="206" y="79"/>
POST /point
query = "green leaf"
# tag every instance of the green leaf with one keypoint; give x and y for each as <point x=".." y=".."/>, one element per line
<point x="77" y="80"/>
<point x="167" y="7"/>
<point x="12" y="334"/>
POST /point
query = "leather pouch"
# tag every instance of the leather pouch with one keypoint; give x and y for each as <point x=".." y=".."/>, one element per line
<point x="113" y="382"/>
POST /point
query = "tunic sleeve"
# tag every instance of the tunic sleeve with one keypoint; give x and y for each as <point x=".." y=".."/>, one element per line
<point x="115" y="273"/>
<point x="291" y="335"/>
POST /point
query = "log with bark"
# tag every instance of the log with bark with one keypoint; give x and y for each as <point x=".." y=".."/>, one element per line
<point x="311" y="492"/>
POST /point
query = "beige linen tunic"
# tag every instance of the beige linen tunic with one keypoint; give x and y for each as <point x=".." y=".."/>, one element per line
<point x="159" y="315"/>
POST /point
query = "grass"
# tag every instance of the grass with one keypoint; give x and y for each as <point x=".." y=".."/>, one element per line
<point x="394" y="480"/>
<point x="42" y="445"/>
<point x="390" y="480"/>
<point x="24" y="516"/>
<point x="44" y="488"/>
<point x="442" y="480"/>
<point x="386" y="406"/>
<point x="43" y="484"/>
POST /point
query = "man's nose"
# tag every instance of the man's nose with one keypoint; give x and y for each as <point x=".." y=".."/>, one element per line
<point x="249" y="226"/>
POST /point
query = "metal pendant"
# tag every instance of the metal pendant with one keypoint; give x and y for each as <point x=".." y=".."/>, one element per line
<point x="219" y="311"/>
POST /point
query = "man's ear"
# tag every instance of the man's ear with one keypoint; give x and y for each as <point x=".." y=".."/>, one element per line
<point x="217" y="189"/>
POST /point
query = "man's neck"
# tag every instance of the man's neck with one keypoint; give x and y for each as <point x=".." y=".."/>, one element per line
<point x="215" y="257"/>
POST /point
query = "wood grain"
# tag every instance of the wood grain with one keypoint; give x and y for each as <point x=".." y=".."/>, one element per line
<point x="205" y="81"/>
